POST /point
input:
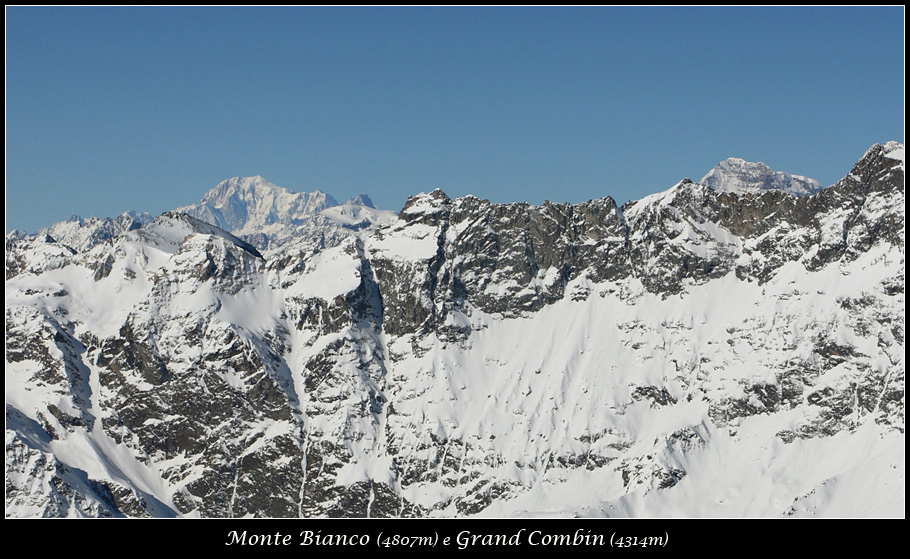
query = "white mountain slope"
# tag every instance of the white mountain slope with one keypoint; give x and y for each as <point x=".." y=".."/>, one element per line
<point x="270" y="216"/>
<point x="245" y="205"/>
<point x="81" y="234"/>
<point x="694" y="353"/>
<point x="358" y="216"/>
<point x="737" y="175"/>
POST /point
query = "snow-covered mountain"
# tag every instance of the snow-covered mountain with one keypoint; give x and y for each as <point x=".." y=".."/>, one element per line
<point x="738" y="175"/>
<point x="52" y="245"/>
<point x="254" y="205"/>
<point x="360" y="200"/>
<point x="269" y="216"/>
<point x="356" y="216"/>
<point x="82" y="234"/>
<point x="692" y="353"/>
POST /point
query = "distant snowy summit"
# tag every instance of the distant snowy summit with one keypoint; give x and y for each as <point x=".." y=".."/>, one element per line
<point x="249" y="209"/>
<point x="264" y="213"/>
<point x="361" y="200"/>
<point x="741" y="176"/>
<point x="81" y="234"/>
<point x="251" y="204"/>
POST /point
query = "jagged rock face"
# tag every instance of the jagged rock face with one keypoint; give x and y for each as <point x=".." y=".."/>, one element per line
<point x="513" y="258"/>
<point x="679" y="355"/>
<point x="501" y="259"/>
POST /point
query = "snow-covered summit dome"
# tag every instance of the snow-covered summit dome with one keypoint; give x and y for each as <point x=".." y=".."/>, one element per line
<point x="738" y="175"/>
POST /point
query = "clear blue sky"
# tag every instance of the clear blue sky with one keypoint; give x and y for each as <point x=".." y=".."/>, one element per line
<point x="110" y="109"/>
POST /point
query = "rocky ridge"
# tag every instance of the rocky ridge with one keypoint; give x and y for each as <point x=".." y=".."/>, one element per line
<point x="678" y="355"/>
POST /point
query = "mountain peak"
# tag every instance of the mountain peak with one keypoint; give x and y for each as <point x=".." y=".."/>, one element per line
<point x="891" y="150"/>
<point x="738" y="175"/>
<point x="361" y="200"/>
<point x="242" y="186"/>
<point x="247" y="204"/>
<point x="425" y="205"/>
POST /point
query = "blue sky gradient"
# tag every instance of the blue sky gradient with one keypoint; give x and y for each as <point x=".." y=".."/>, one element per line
<point x="112" y="109"/>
